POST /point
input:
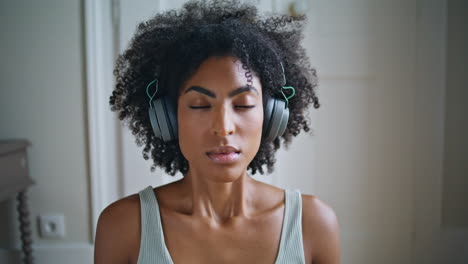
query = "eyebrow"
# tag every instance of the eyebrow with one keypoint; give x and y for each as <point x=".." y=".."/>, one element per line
<point x="242" y="89"/>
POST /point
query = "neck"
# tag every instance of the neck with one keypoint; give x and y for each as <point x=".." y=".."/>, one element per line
<point x="219" y="201"/>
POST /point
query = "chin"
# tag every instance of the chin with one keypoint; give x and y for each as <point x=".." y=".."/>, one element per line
<point x="226" y="174"/>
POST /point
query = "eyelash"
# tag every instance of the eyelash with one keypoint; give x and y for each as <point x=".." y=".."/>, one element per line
<point x="238" y="106"/>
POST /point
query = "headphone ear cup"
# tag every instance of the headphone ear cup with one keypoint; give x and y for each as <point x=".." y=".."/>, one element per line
<point x="267" y="117"/>
<point x="154" y="121"/>
<point x="172" y="117"/>
<point x="284" y="117"/>
<point x="275" y="119"/>
<point x="163" y="119"/>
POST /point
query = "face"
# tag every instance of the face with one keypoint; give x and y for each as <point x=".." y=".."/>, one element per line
<point x="220" y="119"/>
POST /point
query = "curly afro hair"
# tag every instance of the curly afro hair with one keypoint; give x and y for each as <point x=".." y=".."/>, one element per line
<point x="172" y="45"/>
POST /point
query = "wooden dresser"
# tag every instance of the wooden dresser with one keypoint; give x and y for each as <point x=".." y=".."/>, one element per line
<point x="14" y="181"/>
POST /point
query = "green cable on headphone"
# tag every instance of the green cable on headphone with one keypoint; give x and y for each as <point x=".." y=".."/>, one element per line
<point x="154" y="94"/>
<point x="286" y="88"/>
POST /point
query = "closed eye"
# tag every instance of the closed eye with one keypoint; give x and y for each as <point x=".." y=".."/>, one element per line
<point x="199" y="107"/>
<point x="237" y="106"/>
<point x="245" y="106"/>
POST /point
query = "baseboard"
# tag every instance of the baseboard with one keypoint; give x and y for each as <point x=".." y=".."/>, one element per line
<point x="70" y="253"/>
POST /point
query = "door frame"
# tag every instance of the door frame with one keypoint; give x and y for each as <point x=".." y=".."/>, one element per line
<point x="100" y="18"/>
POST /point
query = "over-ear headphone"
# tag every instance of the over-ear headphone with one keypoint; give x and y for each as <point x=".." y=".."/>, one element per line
<point x="163" y="118"/>
<point x="162" y="115"/>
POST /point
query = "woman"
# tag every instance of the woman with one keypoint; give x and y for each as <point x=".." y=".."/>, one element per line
<point x="211" y="91"/>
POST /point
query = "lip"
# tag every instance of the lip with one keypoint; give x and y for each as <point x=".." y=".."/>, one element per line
<point x="224" y="158"/>
<point x="223" y="150"/>
<point x="224" y="154"/>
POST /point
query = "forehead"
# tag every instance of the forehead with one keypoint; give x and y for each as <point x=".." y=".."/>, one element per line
<point x="221" y="75"/>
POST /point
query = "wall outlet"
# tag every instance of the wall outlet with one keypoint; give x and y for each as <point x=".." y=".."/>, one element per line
<point x="52" y="225"/>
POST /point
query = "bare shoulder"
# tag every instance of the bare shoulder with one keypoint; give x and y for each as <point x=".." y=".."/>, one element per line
<point x="118" y="231"/>
<point x="317" y="212"/>
<point x="320" y="230"/>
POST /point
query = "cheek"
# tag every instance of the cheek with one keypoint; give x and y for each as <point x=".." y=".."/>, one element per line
<point x="183" y="121"/>
<point x="190" y="124"/>
<point x="253" y="121"/>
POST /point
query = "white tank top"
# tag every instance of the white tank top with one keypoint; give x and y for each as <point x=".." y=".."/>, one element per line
<point x="153" y="248"/>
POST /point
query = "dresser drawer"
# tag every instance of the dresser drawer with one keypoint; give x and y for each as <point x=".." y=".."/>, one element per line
<point x="13" y="174"/>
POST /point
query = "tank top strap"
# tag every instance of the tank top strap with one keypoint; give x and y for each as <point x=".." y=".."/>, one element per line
<point x="152" y="246"/>
<point x="291" y="247"/>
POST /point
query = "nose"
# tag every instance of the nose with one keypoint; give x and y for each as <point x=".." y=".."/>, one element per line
<point x="222" y="124"/>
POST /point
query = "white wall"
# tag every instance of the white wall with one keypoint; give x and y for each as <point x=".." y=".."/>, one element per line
<point x="42" y="99"/>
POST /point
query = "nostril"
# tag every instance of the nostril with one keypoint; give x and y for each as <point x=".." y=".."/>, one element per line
<point x="223" y="132"/>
